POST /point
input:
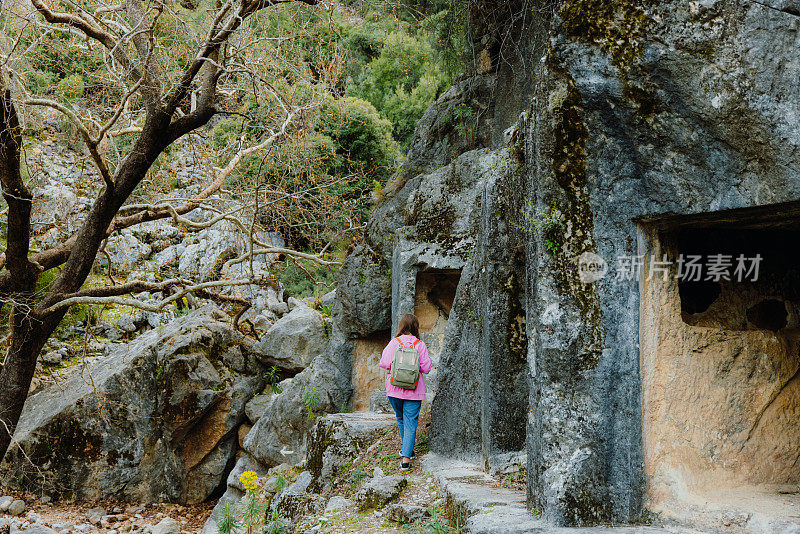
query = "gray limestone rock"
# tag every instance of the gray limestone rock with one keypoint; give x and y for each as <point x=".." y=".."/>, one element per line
<point x="95" y="515"/>
<point x="328" y="298"/>
<point x="165" y="526"/>
<point x="51" y="358"/>
<point x="363" y="293"/>
<point x="37" y="528"/>
<point x="212" y="247"/>
<point x="405" y="513"/>
<point x="455" y="434"/>
<point x="17" y="507"/>
<point x="295" y="505"/>
<point x="379" y="402"/>
<point x="125" y="251"/>
<point x="169" y="412"/>
<point x="258" y="405"/>
<point x="294" y="340"/>
<point x="337" y="503"/>
<point x="301" y="483"/>
<point x="338" y="439"/>
<point x="378" y="491"/>
<point x="280" y="435"/>
<point x="438" y="139"/>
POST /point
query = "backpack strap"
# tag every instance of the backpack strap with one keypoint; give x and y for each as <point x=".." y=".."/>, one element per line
<point x="414" y="344"/>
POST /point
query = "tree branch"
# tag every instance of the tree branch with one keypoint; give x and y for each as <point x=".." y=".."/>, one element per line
<point x="134" y="303"/>
<point x="91" y="144"/>
<point x="100" y="35"/>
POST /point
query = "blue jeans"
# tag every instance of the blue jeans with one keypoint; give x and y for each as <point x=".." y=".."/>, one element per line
<point x="407" y="412"/>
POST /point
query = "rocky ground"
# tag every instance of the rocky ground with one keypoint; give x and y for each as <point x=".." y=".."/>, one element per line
<point x="27" y="513"/>
<point x="367" y="494"/>
<point x="370" y="494"/>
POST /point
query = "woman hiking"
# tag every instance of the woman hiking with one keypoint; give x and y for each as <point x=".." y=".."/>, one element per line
<point x="407" y="359"/>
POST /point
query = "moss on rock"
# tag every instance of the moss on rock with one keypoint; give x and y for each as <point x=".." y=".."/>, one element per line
<point x="569" y="167"/>
<point x="619" y="26"/>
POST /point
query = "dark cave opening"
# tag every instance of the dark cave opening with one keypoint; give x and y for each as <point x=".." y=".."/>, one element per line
<point x="769" y="314"/>
<point x="697" y="297"/>
<point x="738" y="279"/>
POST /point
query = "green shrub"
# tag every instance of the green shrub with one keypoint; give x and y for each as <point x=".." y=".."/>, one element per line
<point x="296" y="281"/>
<point x="57" y="53"/>
<point x="362" y="141"/>
<point x="402" y="82"/>
<point x="405" y="109"/>
<point x="40" y="82"/>
<point x="70" y="88"/>
<point x="310" y="399"/>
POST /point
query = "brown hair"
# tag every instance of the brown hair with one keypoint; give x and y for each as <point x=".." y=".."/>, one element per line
<point x="409" y="324"/>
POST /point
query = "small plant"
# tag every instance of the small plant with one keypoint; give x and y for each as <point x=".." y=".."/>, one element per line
<point x="310" y="399"/>
<point x="159" y="372"/>
<point x="228" y="523"/>
<point x="275" y="524"/>
<point x="250" y="515"/>
<point x="465" y="119"/>
<point x="547" y="224"/>
<point x="280" y="482"/>
<point x="326" y="311"/>
<point x="357" y="476"/>
<point x="377" y="189"/>
<point x="273" y="379"/>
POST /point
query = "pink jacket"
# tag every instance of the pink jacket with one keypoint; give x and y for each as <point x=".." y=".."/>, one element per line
<point x="425" y="365"/>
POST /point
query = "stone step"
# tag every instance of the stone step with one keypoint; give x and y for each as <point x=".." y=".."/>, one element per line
<point x="481" y="506"/>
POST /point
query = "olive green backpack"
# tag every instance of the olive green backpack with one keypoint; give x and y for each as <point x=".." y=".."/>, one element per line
<point x="405" y="366"/>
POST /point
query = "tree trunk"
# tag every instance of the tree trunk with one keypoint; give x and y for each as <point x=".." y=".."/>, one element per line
<point x="29" y="335"/>
<point x="26" y="329"/>
<point x="31" y="330"/>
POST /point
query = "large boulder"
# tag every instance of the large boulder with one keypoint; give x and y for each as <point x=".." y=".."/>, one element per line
<point x="281" y="433"/>
<point x="295" y="339"/>
<point x="156" y="420"/>
<point x="53" y="203"/>
<point x="295" y="505"/>
<point x="438" y="140"/>
<point x="363" y="303"/>
<point x="338" y="439"/>
<point x="380" y="490"/>
<point x="208" y="252"/>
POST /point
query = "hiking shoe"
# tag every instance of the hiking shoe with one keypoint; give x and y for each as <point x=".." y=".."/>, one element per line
<point x="400" y="455"/>
<point x="404" y="466"/>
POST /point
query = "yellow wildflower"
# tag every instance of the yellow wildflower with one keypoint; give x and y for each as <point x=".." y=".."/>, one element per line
<point x="249" y="480"/>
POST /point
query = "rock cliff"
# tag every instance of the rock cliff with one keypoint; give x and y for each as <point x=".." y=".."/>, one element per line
<point x="608" y="132"/>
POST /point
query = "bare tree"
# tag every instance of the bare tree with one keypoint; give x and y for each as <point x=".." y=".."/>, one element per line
<point x="158" y="104"/>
